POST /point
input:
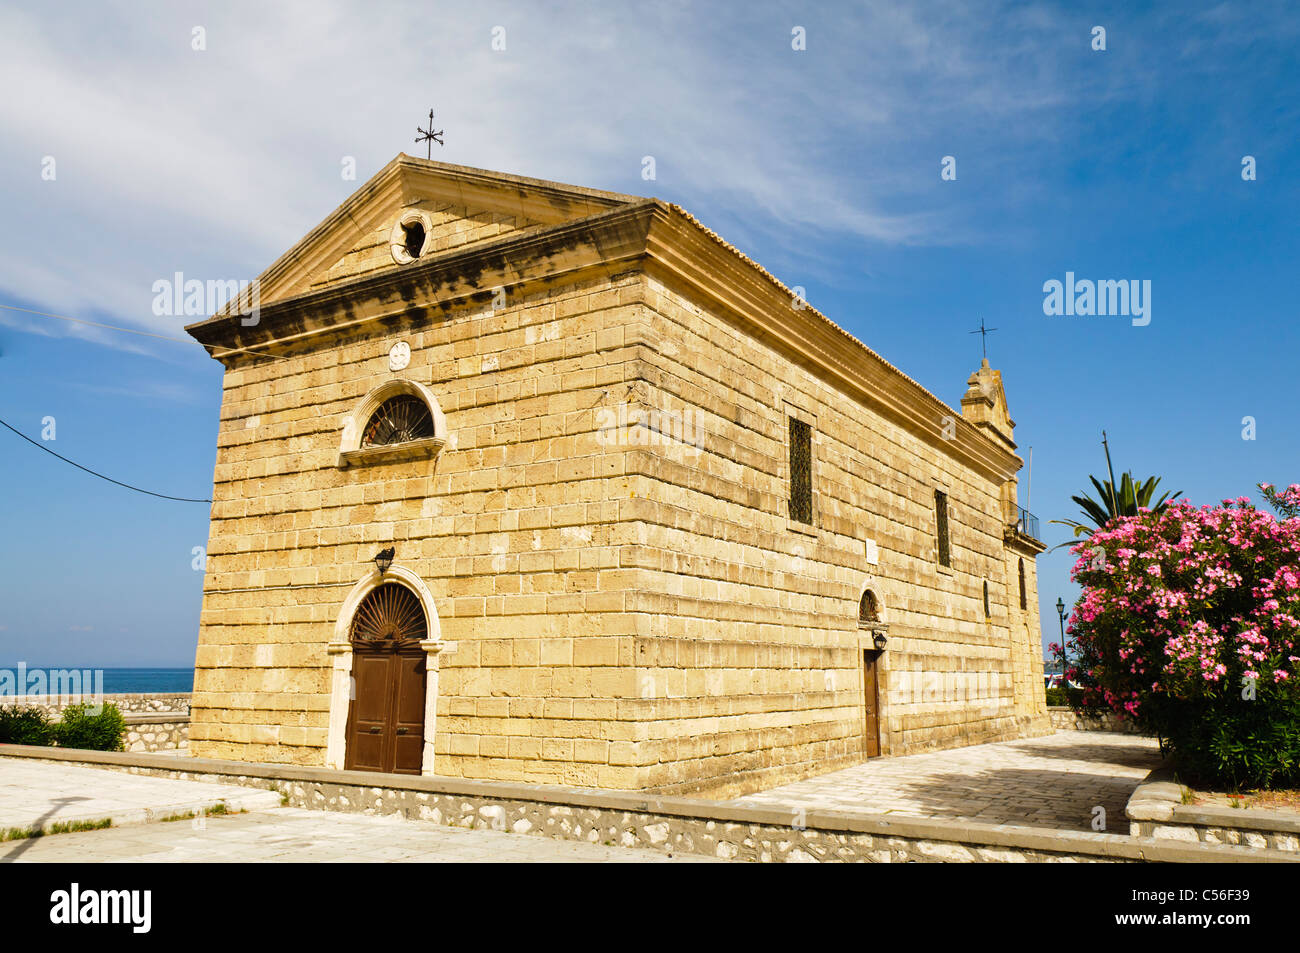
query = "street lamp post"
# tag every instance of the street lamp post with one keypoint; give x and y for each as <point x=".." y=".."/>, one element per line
<point x="1060" y="611"/>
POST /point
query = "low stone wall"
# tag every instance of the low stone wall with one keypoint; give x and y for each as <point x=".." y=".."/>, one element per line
<point x="1156" y="810"/>
<point x="1064" y="718"/>
<point x="154" y="721"/>
<point x="127" y="703"/>
<point x="669" y="824"/>
<point x="164" y="731"/>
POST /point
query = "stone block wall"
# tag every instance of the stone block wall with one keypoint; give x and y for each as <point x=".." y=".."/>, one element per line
<point x="1026" y="651"/>
<point x="621" y="613"/>
<point x="752" y="667"/>
<point x="517" y="531"/>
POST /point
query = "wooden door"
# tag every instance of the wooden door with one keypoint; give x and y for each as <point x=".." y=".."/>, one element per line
<point x="386" y="718"/>
<point x="408" y="712"/>
<point x="871" y="702"/>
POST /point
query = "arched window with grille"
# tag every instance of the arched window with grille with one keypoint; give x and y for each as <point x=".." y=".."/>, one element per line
<point x="398" y="420"/>
<point x="1024" y="594"/>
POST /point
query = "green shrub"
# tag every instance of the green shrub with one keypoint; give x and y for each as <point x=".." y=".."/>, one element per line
<point x="1071" y="697"/>
<point x="1188" y="628"/>
<point x="1224" y="740"/>
<point x="101" y="732"/>
<point x="24" y="726"/>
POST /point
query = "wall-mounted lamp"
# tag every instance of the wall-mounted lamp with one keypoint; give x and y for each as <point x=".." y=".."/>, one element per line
<point x="879" y="641"/>
<point x="384" y="559"/>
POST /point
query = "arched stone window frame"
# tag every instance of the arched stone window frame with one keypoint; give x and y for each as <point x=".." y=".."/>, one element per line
<point x="351" y="453"/>
<point x="340" y="651"/>
<point x="871" y="614"/>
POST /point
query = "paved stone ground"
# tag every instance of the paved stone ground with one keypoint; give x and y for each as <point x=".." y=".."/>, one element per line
<point x="39" y="794"/>
<point x="1052" y="782"/>
<point x="293" y="835"/>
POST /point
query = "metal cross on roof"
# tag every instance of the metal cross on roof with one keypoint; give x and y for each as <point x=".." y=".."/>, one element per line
<point x="429" y="136"/>
<point x="984" y="332"/>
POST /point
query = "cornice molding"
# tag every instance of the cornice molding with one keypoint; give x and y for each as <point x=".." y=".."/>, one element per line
<point x="434" y="284"/>
<point x="672" y="245"/>
<point x="757" y="301"/>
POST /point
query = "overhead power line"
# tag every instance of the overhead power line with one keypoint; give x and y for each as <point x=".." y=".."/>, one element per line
<point x="163" y="496"/>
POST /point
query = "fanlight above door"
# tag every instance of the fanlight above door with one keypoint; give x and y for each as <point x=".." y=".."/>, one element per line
<point x="390" y="613"/>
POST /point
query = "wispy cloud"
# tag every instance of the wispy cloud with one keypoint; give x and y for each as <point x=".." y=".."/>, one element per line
<point x="160" y="391"/>
<point x="213" y="161"/>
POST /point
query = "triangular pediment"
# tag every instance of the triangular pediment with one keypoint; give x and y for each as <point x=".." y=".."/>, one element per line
<point x="459" y="207"/>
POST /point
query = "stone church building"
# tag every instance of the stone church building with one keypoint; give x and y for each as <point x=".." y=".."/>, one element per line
<point x="524" y="481"/>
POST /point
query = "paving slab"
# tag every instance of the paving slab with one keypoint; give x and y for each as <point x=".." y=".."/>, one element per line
<point x="294" y="835"/>
<point x="37" y="794"/>
<point x="1056" y="781"/>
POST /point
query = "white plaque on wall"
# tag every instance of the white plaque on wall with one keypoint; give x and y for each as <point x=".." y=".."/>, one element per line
<point x="399" y="356"/>
<point x="873" y="552"/>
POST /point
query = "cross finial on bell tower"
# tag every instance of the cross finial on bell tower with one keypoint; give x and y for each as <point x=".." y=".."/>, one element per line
<point x="984" y="333"/>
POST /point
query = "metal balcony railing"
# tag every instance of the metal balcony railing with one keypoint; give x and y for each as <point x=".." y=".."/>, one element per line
<point x="1027" y="523"/>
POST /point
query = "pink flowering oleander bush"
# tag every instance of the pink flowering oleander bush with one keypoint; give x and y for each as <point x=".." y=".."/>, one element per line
<point x="1189" y="626"/>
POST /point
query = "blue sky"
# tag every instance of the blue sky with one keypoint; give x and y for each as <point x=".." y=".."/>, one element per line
<point x="823" y="164"/>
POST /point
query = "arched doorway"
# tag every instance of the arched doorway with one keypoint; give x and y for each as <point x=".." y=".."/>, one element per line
<point x="871" y="623"/>
<point x="385" y="728"/>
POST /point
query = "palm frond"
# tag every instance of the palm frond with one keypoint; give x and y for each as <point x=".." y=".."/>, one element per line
<point x="1114" y="500"/>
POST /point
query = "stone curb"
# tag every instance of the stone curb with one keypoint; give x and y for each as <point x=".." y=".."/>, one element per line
<point x="1104" y="846"/>
<point x="1155" y="798"/>
<point x="1160" y="798"/>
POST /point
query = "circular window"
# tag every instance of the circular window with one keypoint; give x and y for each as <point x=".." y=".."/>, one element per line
<point x="415" y="235"/>
<point x="409" y="236"/>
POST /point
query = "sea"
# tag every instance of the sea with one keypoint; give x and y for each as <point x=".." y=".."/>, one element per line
<point x="117" y="681"/>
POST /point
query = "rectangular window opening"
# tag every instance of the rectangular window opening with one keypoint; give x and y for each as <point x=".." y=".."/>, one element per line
<point x="941" y="525"/>
<point x="801" y="510"/>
